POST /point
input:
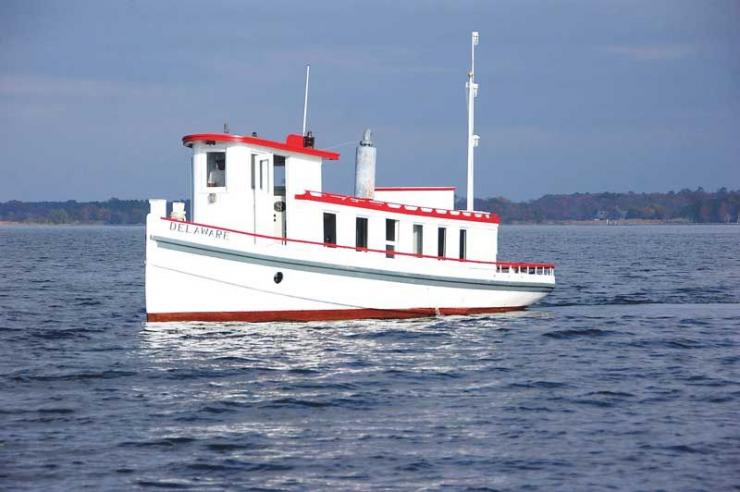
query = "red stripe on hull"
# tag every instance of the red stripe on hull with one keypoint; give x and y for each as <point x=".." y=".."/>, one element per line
<point x="322" y="315"/>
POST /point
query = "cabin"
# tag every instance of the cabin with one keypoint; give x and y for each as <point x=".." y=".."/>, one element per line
<point x="273" y="189"/>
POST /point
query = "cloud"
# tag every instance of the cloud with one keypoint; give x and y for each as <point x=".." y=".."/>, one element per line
<point x="667" y="52"/>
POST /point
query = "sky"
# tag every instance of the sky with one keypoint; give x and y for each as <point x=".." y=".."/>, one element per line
<point x="575" y="95"/>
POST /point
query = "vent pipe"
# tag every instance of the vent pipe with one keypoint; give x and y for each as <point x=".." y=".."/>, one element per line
<point x="365" y="166"/>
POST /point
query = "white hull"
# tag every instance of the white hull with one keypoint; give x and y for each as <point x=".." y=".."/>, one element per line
<point x="203" y="273"/>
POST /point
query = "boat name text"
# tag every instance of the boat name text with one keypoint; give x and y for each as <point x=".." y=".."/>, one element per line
<point x="198" y="230"/>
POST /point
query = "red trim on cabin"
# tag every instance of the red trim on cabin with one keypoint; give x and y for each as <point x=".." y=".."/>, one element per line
<point x="415" y="188"/>
<point x="509" y="264"/>
<point x="323" y="314"/>
<point x="397" y="208"/>
<point x="294" y="143"/>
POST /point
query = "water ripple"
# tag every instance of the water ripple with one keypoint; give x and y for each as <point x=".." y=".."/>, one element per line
<point x="627" y="377"/>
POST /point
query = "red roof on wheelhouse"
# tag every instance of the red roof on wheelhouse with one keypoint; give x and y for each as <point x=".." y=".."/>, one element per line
<point x="293" y="143"/>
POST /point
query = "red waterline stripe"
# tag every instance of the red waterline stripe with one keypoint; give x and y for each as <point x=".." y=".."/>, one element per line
<point x="323" y="314"/>
<point x="509" y="264"/>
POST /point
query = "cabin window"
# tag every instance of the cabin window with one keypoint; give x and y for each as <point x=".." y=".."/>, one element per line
<point x="441" y="241"/>
<point x="418" y="239"/>
<point x="216" y="169"/>
<point x="391" y="234"/>
<point x="390" y="229"/>
<point x="361" y="233"/>
<point x="463" y="243"/>
<point x="279" y="176"/>
<point x="330" y="228"/>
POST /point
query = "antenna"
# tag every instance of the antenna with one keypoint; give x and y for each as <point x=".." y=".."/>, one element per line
<point x="305" y="99"/>
<point x="473" y="139"/>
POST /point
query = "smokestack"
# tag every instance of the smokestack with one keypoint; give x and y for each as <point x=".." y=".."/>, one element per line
<point x="365" y="167"/>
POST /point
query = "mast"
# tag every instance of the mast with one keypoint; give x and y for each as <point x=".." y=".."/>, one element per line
<point x="472" y="88"/>
<point x="305" y="100"/>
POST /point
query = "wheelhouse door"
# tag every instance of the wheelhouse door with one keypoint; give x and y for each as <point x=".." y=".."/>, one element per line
<point x="278" y="196"/>
<point x="263" y="193"/>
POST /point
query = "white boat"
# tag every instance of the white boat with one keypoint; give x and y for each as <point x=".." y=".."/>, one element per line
<point x="263" y="242"/>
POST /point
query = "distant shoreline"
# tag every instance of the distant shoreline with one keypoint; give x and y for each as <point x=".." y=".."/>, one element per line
<point x="584" y="223"/>
<point x="7" y="223"/>
<point x="610" y="222"/>
<point x="682" y="207"/>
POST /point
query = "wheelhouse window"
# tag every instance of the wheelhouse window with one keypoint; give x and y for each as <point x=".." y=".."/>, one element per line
<point x="279" y="175"/>
<point x="264" y="174"/>
<point x="330" y="228"/>
<point x="216" y="169"/>
<point x="253" y="171"/>
<point x="418" y="239"/>
<point x="361" y="233"/>
<point x="463" y="244"/>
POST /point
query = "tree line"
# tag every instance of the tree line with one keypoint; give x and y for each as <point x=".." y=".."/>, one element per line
<point x="698" y="206"/>
<point x="113" y="211"/>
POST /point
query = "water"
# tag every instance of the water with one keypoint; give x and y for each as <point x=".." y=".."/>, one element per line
<point x="627" y="377"/>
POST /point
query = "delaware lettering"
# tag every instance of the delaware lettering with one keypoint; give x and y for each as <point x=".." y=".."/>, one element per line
<point x="198" y="230"/>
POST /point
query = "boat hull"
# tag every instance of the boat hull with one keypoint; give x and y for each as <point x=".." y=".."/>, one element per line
<point x="199" y="275"/>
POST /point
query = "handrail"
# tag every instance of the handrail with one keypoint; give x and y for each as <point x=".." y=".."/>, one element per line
<point x="392" y="207"/>
<point x="505" y="264"/>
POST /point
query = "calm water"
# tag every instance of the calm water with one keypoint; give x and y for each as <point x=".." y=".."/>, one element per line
<point x="626" y="378"/>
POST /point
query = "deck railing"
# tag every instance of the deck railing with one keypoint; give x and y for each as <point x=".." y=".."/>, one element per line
<point x="399" y="208"/>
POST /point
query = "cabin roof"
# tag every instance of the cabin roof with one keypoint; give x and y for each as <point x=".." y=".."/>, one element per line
<point x="398" y="208"/>
<point x="293" y="143"/>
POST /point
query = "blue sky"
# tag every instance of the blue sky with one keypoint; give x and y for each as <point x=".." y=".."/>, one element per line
<point x="614" y="95"/>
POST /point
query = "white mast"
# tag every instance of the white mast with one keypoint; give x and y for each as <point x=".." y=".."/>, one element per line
<point x="305" y="99"/>
<point x="472" y="88"/>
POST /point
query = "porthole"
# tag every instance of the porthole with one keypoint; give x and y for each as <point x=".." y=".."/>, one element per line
<point x="278" y="277"/>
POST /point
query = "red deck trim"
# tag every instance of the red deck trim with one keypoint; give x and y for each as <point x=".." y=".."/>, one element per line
<point x="510" y="264"/>
<point x="397" y="208"/>
<point x="289" y="144"/>
<point x="324" y="314"/>
<point x="415" y="188"/>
